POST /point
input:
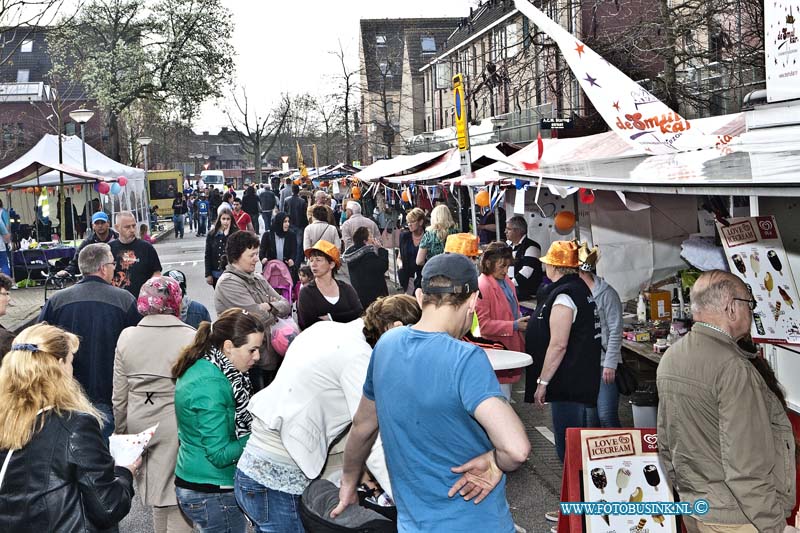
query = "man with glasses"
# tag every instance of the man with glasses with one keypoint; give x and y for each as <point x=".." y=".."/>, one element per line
<point x="101" y="232"/>
<point x="723" y="435"/>
<point x="97" y="312"/>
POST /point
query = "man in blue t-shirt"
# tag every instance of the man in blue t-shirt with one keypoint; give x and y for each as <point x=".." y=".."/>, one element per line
<point x="445" y="425"/>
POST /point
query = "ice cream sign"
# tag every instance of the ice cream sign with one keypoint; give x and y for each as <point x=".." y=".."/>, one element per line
<point x="755" y="253"/>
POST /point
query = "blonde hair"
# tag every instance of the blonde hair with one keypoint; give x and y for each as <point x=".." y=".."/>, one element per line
<point x="441" y="222"/>
<point x="33" y="380"/>
<point x="415" y="215"/>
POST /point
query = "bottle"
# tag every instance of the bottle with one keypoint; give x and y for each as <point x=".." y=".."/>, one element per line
<point x="687" y="304"/>
<point x="641" y="309"/>
<point x="677" y="308"/>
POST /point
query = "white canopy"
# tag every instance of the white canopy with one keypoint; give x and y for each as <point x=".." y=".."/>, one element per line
<point x="44" y="156"/>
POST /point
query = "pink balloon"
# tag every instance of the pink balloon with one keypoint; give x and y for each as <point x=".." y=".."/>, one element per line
<point x="103" y="187"/>
<point x="122" y="180"/>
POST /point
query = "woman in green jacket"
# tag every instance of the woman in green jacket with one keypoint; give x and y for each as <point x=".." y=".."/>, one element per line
<point x="211" y="397"/>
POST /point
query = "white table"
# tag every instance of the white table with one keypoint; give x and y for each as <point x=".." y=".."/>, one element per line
<point x="507" y="360"/>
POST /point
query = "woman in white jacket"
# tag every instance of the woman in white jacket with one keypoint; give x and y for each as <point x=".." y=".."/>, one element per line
<point x="306" y="408"/>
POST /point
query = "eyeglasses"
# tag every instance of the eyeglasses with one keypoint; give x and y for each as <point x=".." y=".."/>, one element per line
<point x="110" y="263"/>
<point x="751" y="303"/>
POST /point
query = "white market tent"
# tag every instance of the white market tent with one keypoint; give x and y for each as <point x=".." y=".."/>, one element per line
<point x="40" y="166"/>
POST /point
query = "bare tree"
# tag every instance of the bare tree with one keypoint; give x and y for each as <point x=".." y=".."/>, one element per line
<point x="329" y="113"/>
<point x="348" y="84"/>
<point x="257" y="133"/>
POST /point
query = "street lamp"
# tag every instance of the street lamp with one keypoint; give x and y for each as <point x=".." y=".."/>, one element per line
<point x="144" y="142"/>
<point x="82" y="116"/>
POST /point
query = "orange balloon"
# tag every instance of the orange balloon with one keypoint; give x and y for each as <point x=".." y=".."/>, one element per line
<point x="406" y="198"/>
<point x="564" y="222"/>
<point x="298" y="181"/>
<point x="356" y="192"/>
<point x="482" y="199"/>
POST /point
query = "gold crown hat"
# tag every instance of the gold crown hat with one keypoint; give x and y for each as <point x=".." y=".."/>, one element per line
<point x="587" y="257"/>
<point x="462" y="243"/>
<point x="562" y="254"/>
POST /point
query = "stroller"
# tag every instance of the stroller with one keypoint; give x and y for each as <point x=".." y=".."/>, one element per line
<point x="278" y="276"/>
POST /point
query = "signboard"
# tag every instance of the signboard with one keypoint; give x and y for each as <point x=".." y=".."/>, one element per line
<point x="781" y="48"/>
<point x="555" y="124"/>
<point x="755" y="253"/>
<point x="443" y="77"/>
<point x="622" y="465"/>
<point x="460" y="109"/>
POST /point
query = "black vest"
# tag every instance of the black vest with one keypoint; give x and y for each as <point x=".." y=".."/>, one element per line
<point x="578" y="376"/>
<point x="527" y="287"/>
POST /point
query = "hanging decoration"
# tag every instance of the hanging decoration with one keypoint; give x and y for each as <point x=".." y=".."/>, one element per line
<point x="103" y="187"/>
<point x="355" y="192"/>
<point x="115" y="188"/>
<point x="540" y="147"/>
<point x="482" y="199"/>
<point x="406" y="197"/>
<point x="586" y="196"/>
<point x="122" y="180"/>
<point x="44" y="203"/>
<point x="78" y="188"/>
<point x="29" y="190"/>
<point x="564" y="222"/>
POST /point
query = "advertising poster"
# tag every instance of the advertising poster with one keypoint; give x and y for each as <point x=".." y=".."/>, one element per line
<point x="622" y="465"/>
<point x="755" y="253"/>
<point x="781" y="49"/>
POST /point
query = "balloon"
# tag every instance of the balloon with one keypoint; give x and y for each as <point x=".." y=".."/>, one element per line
<point x="586" y="196"/>
<point x="103" y="187"/>
<point x="482" y="199"/>
<point x="298" y="181"/>
<point x="356" y="193"/>
<point x="564" y="222"/>
<point x="115" y="188"/>
<point x="122" y="180"/>
<point x="77" y="188"/>
<point x="96" y="186"/>
<point x="29" y="189"/>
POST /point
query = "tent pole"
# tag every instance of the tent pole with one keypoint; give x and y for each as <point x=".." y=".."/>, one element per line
<point x="88" y="208"/>
<point x="474" y="215"/>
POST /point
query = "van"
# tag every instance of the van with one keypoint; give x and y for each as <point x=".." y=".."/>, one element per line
<point x="213" y="177"/>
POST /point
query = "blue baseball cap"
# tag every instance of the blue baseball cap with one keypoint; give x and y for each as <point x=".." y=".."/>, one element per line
<point x="99" y="216"/>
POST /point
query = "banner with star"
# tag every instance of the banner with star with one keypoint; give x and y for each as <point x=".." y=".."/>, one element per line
<point x="642" y="120"/>
<point x="781" y="48"/>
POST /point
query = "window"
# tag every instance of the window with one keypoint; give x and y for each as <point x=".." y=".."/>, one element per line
<point x="23" y="75"/>
<point x="380" y="40"/>
<point x="428" y="45"/>
<point x="386" y="69"/>
<point x="27" y="46"/>
<point x="526" y="33"/>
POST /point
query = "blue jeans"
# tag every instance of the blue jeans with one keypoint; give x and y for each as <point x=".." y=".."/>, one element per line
<point x="201" y="225"/>
<point x="267" y="216"/>
<point x="606" y="414"/>
<point x="177" y="220"/>
<point x="270" y="511"/>
<point x="5" y="268"/>
<point x="211" y="512"/>
<point x="566" y="415"/>
<point x="108" y="415"/>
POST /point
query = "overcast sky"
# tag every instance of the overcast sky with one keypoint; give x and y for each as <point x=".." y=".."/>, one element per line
<point x="285" y="45"/>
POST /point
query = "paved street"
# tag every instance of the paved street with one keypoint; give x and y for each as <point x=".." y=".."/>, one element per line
<point x="532" y="490"/>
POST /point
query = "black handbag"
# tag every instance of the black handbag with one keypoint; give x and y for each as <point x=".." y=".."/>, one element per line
<point x="626" y="379"/>
<point x="320" y="498"/>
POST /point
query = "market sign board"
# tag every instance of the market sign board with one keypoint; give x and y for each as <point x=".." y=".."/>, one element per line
<point x="782" y="49"/>
<point x="622" y="465"/>
<point x="460" y="110"/>
<point x="755" y="253"/>
<point x="555" y="124"/>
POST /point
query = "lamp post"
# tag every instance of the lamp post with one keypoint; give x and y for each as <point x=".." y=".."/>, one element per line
<point x="81" y="116"/>
<point x="144" y="142"/>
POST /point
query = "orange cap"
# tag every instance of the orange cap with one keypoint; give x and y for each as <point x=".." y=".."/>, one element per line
<point x="561" y="254"/>
<point x="462" y="243"/>
<point x="328" y="249"/>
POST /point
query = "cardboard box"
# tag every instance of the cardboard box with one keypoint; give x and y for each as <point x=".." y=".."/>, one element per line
<point x="660" y="305"/>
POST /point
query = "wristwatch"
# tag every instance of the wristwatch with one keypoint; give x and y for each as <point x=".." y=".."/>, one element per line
<point x="540" y="381"/>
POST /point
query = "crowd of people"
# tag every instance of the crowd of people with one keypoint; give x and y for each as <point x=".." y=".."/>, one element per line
<point x="253" y="407"/>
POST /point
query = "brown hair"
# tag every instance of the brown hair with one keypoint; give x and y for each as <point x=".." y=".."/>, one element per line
<point x="233" y="325"/>
<point x="453" y="299"/>
<point x="415" y="215"/>
<point x="361" y="235"/>
<point x="320" y="213"/>
<point x="383" y="312"/>
<point x="496" y="251"/>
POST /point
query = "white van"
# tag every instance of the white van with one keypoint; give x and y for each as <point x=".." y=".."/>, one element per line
<point x="213" y="177"/>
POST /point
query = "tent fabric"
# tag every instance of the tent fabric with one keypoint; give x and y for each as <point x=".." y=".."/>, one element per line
<point x="45" y="154"/>
<point x="402" y="163"/>
<point x="449" y="164"/>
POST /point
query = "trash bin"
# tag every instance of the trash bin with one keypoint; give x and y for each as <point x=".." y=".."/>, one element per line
<point x="645" y="405"/>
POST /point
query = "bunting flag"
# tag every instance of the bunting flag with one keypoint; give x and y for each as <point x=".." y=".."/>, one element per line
<point x="497" y="196"/>
<point x="540" y="146"/>
<point x="641" y="119"/>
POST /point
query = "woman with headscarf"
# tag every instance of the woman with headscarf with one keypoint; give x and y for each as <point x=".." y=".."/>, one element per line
<point x="280" y="243"/>
<point x="211" y="396"/>
<point x="57" y="473"/>
<point x="144" y="394"/>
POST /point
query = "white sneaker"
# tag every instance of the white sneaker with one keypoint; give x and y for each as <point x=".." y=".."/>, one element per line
<point x="551" y="516"/>
<point x="554" y="529"/>
<point x="519" y="529"/>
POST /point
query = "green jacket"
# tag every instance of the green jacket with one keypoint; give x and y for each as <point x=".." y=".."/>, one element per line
<point x="205" y="409"/>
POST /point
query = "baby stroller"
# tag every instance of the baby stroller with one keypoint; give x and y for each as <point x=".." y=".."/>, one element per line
<point x="278" y="276"/>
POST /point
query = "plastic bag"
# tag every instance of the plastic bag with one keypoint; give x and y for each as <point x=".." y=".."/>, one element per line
<point x="282" y="334"/>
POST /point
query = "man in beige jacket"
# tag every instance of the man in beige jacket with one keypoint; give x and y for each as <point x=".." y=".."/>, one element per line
<point x="723" y="435"/>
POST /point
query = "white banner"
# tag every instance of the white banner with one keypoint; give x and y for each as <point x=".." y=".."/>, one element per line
<point x="781" y="50"/>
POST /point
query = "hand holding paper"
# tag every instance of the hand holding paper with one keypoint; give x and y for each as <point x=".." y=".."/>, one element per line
<point x="126" y="449"/>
